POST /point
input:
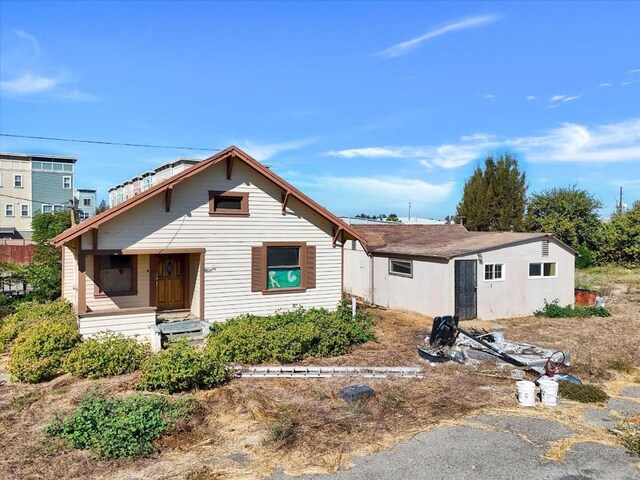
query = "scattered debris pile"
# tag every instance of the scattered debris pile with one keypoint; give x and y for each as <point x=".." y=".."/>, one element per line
<point x="447" y="341"/>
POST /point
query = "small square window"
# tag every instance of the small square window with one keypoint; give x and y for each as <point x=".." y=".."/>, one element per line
<point x="66" y="182"/>
<point x="8" y="210"/>
<point x="58" y="208"/>
<point x="17" y="181"/>
<point x="47" y="208"/>
<point x="228" y="203"/>
<point x="493" y="271"/>
<point x="546" y="269"/>
<point x="86" y="202"/>
<point x="24" y="210"/>
<point x="403" y="268"/>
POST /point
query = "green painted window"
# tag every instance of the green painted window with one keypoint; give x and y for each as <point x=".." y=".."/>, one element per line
<point x="283" y="267"/>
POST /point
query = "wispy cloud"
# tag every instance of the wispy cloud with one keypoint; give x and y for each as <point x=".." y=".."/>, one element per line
<point x="605" y="85"/>
<point x="635" y="70"/>
<point x="360" y="193"/>
<point x="569" y="142"/>
<point x="26" y="72"/>
<point x="407" y="46"/>
<point x="557" y="100"/>
<point x="262" y="152"/>
<point x="33" y="41"/>
<point x="531" y="97"/>
<point x="27" y="83"/>
<point x="628" y="82"/>
<point x="489" y="96"/>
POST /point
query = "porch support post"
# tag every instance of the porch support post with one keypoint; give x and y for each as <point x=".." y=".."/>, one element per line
<point x="81" y="304"/>
<point x="201" y="271"/>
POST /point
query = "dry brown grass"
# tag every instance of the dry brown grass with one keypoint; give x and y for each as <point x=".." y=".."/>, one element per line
<point x="595" y="343"/>
<point x="229" y="438"/>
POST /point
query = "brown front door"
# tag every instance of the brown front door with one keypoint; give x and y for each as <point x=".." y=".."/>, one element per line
<point x="170" y="281"/>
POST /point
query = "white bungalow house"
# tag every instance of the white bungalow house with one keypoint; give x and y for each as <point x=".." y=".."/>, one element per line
<point x="222" y="238"/>
<point x="447" y="270"/>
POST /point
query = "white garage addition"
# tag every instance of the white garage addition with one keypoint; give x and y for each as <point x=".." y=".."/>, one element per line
<point x="445" y="270"/>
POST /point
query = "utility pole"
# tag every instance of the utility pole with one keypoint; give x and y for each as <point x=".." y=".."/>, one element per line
<point x="409" y="212"/>
<point x="620" y="204"/>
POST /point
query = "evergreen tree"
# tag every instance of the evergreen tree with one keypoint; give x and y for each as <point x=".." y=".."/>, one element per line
<point x="494" y="199"/>
<point x="102" y="207"/>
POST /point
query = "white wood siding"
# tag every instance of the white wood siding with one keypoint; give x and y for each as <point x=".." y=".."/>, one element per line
<point x="228" y="240"/>
<point x="129" y="324"/>
<point x="70" y="268"/>
<point x="103" y="302"/>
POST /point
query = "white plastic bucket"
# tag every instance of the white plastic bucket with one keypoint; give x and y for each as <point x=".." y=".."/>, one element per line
<point x="526" y="393"/>
<point x="549" y="392"/>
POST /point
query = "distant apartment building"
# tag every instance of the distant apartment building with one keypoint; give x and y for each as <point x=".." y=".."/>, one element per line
<point x="86" y="199"/>
<point x="31" y="183"/>
<point x="130" y="188"/>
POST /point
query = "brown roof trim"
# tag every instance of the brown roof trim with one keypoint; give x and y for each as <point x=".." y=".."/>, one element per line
<point x="231" y="151"/>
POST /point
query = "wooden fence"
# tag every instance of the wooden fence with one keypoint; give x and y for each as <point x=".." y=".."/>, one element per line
<point x="16" y="251"/>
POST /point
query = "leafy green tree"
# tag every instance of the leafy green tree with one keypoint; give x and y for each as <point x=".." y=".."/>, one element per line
<point x="102" y="207"/>
<point x="392" y="218"/>
<point x="621" y="238"/>
<point x="45" y="273"/>
<point x="494" y="199"/>
<point x="569" y="213"/>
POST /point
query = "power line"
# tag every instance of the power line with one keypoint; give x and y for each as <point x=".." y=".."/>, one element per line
<point x="101" y="142"/>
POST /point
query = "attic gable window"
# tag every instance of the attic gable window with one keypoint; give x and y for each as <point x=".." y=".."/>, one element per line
<point x="228" y="203"/>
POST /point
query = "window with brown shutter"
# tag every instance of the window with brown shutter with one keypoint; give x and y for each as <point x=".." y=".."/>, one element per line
<point x="283" y="267"/>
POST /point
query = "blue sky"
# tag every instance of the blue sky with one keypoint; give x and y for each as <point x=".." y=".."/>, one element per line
<point x="364" y="106"/>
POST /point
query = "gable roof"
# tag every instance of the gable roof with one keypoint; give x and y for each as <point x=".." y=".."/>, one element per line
<point x="441" y="241"/>
<point x="230" y="152"/>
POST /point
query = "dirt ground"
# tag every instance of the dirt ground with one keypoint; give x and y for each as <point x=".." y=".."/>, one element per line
<point x="230" y="436"/>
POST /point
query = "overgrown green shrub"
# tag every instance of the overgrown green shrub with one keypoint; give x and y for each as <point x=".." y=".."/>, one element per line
<point x="582" y="393"/>
<point x="553" y="310"/>
<point x="289" y="336"/>
<point x="38" y="352"/>
<point x="27" y="314"/>
<point x="181" y="367"/>
<point x="116" y="427"/>
<point x="585" y="258"/>
<point x="105" y="355"/>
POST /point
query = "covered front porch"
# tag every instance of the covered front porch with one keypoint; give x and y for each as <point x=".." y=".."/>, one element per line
<point x="140" y="292"/>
